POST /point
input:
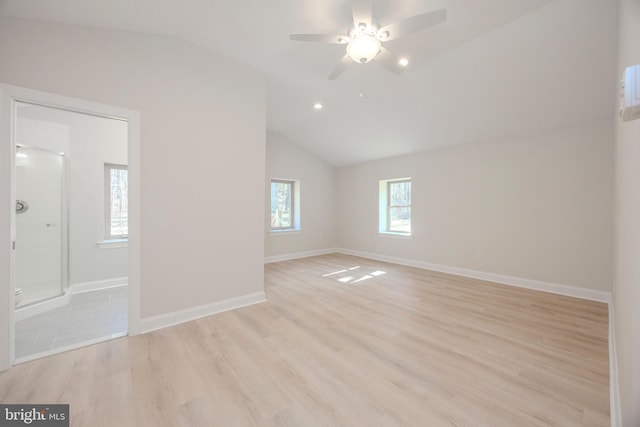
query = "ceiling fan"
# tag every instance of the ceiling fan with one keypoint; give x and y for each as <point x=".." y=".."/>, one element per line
<point x="364" y="41"/>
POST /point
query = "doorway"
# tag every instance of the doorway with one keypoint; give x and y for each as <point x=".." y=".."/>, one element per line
<point x="73" y="279"/>
<point x="70" y="274"/>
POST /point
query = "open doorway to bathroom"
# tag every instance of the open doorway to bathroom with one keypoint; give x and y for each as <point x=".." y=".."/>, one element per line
<point x="71" y="229"/>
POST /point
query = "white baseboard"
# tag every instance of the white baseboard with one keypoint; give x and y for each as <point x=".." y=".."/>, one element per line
<point x="572" y="291"/>
<point x="165" y="320"/>
<point x="614" y="386"/>
<point x="98" y="284"/>
<point x="297" y="255"/>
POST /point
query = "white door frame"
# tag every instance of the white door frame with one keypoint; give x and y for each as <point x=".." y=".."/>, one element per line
<point x="9" y="94"/>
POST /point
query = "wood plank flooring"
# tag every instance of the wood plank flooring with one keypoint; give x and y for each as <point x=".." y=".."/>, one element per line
<point x="346" y="341"/>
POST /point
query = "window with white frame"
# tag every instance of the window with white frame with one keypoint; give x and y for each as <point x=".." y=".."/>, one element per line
<point x="285" y="205"/>
<point x="116" y="204"/>
<point x="395" y="206"/>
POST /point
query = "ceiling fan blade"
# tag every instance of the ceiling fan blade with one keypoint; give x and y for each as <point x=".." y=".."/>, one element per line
<point x="413" y="24"/>
<point x="362" y="12"/>
<point x="389" y="61"/>
<point x="340" y="67"/>
<point x="319" y="38"/>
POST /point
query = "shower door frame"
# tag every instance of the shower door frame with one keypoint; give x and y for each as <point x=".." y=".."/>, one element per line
<point x="9" y="95"/>
<point x="64" y="223"/>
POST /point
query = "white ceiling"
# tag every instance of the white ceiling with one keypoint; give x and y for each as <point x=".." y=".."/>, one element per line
<point x="494" y="68"/>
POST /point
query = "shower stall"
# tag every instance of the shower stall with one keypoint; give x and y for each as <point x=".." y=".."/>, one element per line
<point x="41" y="221"/>
<point x="41" y="225"/>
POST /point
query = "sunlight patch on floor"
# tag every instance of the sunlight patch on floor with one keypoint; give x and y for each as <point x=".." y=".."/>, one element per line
<point x="352" y="279"/>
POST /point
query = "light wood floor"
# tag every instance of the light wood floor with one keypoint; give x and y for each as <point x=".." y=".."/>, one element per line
<point x="373" y="344"/>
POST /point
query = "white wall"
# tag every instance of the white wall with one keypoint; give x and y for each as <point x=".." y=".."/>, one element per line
<point x="89" y="143"/>
<point x="626" y="289"/>
<point x="287" y="160"/>
<point x="94" y="142"/>
<point x="202" y="129"/>
<point x="534" y="207"/>
<point x="39" y="132"/>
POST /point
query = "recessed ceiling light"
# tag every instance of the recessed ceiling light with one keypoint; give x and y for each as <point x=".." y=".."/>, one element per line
<point x="403" y="62"/>
<point x="317" y="106"/>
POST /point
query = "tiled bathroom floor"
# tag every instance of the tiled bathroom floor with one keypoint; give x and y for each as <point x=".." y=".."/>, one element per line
<point x="40" y="291"/>
<point x="89" y="316"/>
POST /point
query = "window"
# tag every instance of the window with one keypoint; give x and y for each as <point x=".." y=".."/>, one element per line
<point x="285" y="205"/>
<point x="395" y="206"/>
<point x="116" y="202"/>
<point x="399" y="206"/>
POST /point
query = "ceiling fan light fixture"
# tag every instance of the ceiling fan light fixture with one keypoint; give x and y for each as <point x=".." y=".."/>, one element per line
<point x="363" y="48"/>
<point x="365" y="40"/>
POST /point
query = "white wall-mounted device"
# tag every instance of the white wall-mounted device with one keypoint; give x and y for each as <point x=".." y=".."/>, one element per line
<point x="630" y="94"/>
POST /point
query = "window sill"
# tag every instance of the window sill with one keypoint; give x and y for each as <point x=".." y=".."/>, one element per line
<point x="392" y="235"/>
<point x="113" y="244"/>
<point x="285" y="232"/>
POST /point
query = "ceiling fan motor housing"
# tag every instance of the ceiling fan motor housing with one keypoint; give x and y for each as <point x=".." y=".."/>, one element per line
<point x="363" y="45"/>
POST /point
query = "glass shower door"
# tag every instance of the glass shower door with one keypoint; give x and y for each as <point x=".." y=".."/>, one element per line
<point x="39" y="224"/>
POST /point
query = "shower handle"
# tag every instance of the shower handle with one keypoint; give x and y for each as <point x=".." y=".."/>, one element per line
<point x="21" y="206"/>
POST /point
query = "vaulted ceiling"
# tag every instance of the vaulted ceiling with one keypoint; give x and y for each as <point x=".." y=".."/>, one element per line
<point x="495" y="68"/>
